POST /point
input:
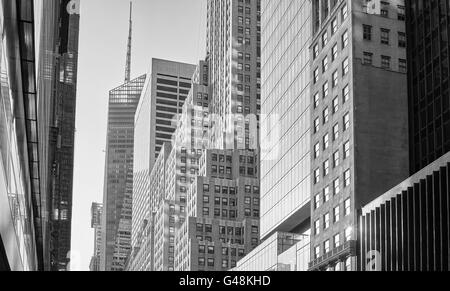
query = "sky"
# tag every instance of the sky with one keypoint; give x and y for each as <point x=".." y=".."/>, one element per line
<point x="166" y="29"/>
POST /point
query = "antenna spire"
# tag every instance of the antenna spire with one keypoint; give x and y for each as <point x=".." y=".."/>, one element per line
<point x="130" y="35"/>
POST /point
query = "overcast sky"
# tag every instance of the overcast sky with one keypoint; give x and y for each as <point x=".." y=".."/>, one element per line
<point x="167" y="29"/>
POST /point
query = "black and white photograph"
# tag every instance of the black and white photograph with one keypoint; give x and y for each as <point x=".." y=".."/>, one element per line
<point x="222" y="143"/>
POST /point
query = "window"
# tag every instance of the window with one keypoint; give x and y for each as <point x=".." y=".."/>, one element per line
<point x="326" y="246"/>
<point x="210" y="262"/>
<point x="346" y="93"/>
<point x="347" y="208"/>
<point x="345" y="67"/>
<point x="224" y="264"/>
<point x="205" y="211"/>
<point x="402" y="39"/>
<point x="344" y="12"/>
<point x="316" y="51"/>
<point x="334" y="26"/>
<point x="326" y="221"/>
<point x="211" y="250"/>
<point x="335" y="105"/>
<point x="401" y="13"/>
<point x="317" y="201"/>
<point x="316" y="176"/>
<point x="201" y="262"/>
<point x="367" y="32"/>
<point x="325" y="90"/>
<point x="402" y="67"/>
<point x="337" y="240"/>
<point x="316" y="75"/>
<point x="326" y="115"/>
<point x="317" y="150"/>
<point x="368" y="58"/>
<point x="336" y="159"/>
<point x="385" y="36"/>
<point x="316" y="125"/>
<point x="336" y="187"/>
<point x="316" y="253"/>
<point x="336" y="214"/>
<point x="347" y="178"/>
<point x="317" y="227"/>
<point x="345" y="39"/>
<point x="325" y="64"/>
<point x="346" y="121"/>
<point x="326" y="141"/>
<point x="324" y="39"/>
<point x="316" y="100"/>
<point x="334" y="52"/>
<point x="335" y="132"/>
<point x="335" y="78"/>
<point x="201" y="249"/>
<point x="386" y="62"/>
<point x="348" y="234"/>
<point x="347" y="150"/>
<point x="326" y="168"/>
<point x="326" y="194"/>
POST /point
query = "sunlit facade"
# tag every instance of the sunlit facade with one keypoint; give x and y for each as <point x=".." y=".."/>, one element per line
<point x="279" y="252"/>
<point x="20" y="213"/>
<point x="285" y="123"/>
<point x="359" y="118"/>
<point x="118" y="188"/>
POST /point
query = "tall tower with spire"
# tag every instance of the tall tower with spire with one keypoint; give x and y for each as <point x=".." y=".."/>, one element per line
<point x="130" y="39"/>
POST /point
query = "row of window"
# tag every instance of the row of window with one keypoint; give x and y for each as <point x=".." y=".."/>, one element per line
<point x="231" y="201"/>
<point x="211" y="250"/>
<point x="335" y="135"/>
<point x="326" y="217"/>
<point x="231" y="190"/>
<point x="336" y="243"/>
<point x="385" y="62"/>
<point x="225" y="213"/>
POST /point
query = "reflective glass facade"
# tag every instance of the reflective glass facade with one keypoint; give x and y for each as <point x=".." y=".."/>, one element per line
<point x="279" y="252"/>
<point x="285" y="120"/>
<point x="118" y="188"/>
<point x="429" y="96"/>
<point x="20" y="216"/>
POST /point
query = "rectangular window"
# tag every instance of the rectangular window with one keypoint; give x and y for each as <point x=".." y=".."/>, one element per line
<point x="385" y="35"/>
<point x="386" y="62"/>
<point x="368" y="58"/>
<point x="347" y="178"/>
<point x="367" y="32"/>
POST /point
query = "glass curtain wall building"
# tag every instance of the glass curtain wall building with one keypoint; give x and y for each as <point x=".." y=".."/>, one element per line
<point x="57" y="84"/>
<point x="117" y="208"/>
<point x="285" y="141"/>
<point x="20" y="197"/>
<point x="428" y="77"/>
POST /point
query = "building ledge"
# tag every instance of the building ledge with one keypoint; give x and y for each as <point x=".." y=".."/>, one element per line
<point x="341" y="252"/>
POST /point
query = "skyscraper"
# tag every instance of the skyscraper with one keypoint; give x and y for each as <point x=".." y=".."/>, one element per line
<point x="165" y="93"/>
<point x="38" y="152"/>
<point x="21" y="218"/>
<point x="118" y="188"/>
<point x="57" y="89"/>
<point x="359" y="119"/>
<point x="223" y="200"/>
<point x="285" y="138"/>
<point x="428" y="81"/>
<point x="156" y="119"/>
<point x="96" y="224"/>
